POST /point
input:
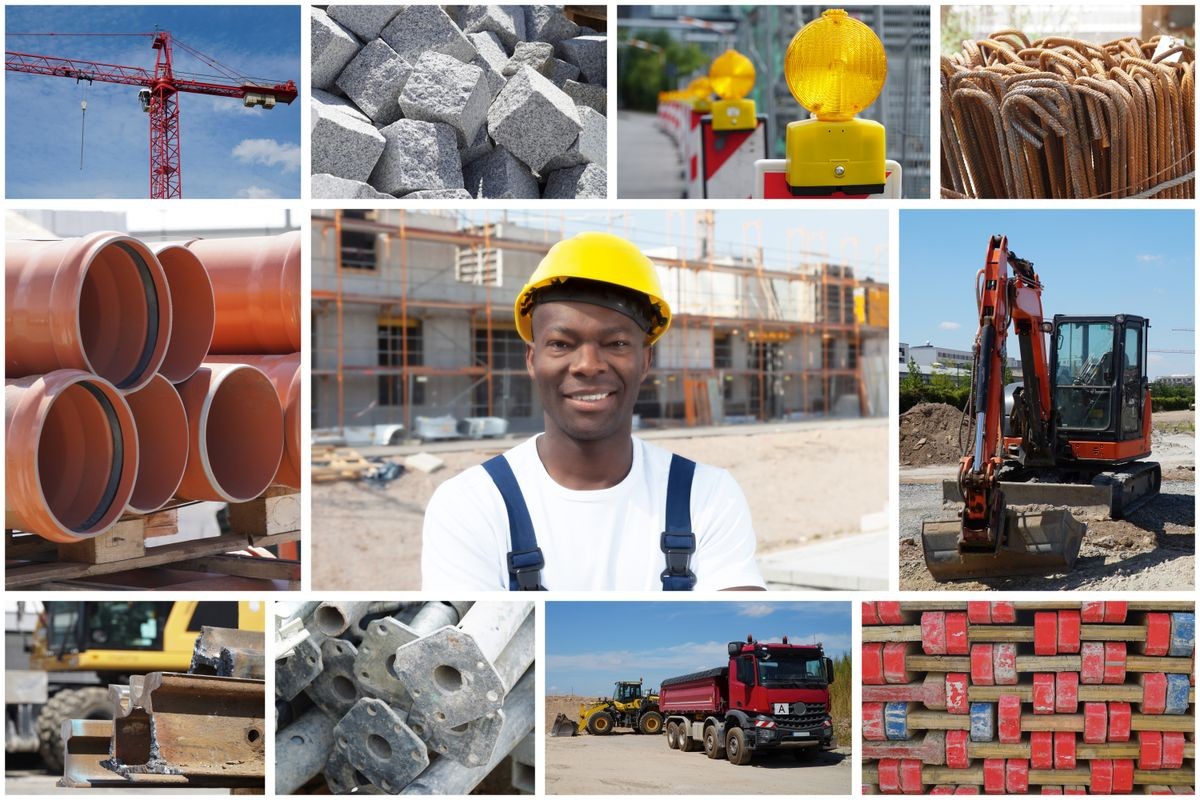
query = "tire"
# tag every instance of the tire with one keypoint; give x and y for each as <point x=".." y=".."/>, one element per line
<point x="600" y="723"/>
<point x="651" y="723"/>
<point x="87" y="702"/>
<point x="735" y="747"/>
<point x="673" y="735"/>
<point x="712" y="743"/>
<point x="686" y="743"/>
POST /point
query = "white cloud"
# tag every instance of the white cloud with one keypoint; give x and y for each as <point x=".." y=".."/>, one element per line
<point x="256" y="193"/>
<point x="949" y="326"/>
<point x="269" y="152"/>
<point x="1148" y="258"/>
<point x="755" y="610"/>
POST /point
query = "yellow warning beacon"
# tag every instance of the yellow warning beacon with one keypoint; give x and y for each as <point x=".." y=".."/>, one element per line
<point x="835" y="67"/>
<point x="732" y="77"/>
<point x="700" y="93"/>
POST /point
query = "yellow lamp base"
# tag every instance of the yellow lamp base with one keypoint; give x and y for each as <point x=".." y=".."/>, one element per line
<point x="734" y="115"/>
<point x="828" y="157"/>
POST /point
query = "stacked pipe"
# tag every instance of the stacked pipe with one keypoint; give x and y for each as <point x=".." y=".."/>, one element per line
<point x="1011" y="698"/>
<point x="1063" y="118"/>
<point x="137" y="373"/>
<point x="203" y="728"/>
<point x="401" y="698"/>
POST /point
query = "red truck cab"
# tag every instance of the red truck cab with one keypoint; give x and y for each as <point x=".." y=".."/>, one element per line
<point x="768" y="695"/>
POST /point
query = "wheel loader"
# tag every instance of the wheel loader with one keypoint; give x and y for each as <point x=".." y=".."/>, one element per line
<point x="627" y="708"/>
<point x="1073" y="432"/>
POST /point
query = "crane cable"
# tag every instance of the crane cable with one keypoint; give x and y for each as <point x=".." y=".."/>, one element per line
<point x="83" y="119"/>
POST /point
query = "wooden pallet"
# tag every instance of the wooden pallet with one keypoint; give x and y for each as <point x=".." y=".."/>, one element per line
<point x="122" y="551"/>
<point x="338" y="464"/>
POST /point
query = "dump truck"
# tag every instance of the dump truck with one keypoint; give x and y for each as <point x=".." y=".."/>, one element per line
<point x="60" y="660"/>
<point x="769" y="695"/>
<point x="627" y="708"/>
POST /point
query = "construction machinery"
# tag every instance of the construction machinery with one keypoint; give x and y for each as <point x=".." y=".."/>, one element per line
<point x="74" y="650"/>
<point x="627" y="708"/>
<point x="1071" y="433"/>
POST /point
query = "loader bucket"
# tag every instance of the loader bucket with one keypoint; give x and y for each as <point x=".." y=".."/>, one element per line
<point x="563" y="726"/>
<point x="1033" y="543"/>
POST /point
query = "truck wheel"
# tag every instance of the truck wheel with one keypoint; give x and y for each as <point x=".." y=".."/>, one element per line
<point x="600" y="723"/>
<point x="686" y="743"/>
<point x="673" y="735"/>
<point x="735" y="747"/>
<point x="712" y="743"/>
<point x="650" y="723"/>
<point x="88" y="702"/>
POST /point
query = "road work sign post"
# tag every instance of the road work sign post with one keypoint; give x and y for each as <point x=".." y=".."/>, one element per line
<point x="733" y="137"/>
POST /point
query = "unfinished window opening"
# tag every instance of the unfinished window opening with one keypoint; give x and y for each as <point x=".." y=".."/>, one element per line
<point x="396" y="348"/>
<point x="358" y="250"/>
<point x="511" y="388"/>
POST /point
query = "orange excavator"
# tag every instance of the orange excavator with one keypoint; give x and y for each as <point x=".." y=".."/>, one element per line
<point x="1072" y="433"/>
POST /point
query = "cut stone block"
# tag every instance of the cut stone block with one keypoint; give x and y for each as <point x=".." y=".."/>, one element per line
<point x="590" y="54"/>
<point x="533" y="119"/>
<point x="562" y="71"/>
<point x="418" y="155"/>
<point x="478" y="148"/>
<point x="584" y="182"/>
<point x="374" y="79"/>
<point x="500" y="175"/>
<point x="439" y="194"/>
<point x="443" y="89"/>
<point x="420" y="29"/>
<point x="507" y="22"/>
<point x="333" y="102"/>
<point x="491" y="58"/>
<point x="548" y="24"/>
<point x="332" y="48"/>
<point x="343" y="144"/>
<point x="535" y="55"/>
<point x="365" y="22"/>
<point x="584" y="94"/>
<point x="331" y="187"/>
<point x="590" y="147"/>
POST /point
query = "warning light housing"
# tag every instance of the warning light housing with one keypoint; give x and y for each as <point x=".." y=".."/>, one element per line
<point x="700" y="92"/>
<point x="732" y="77"/>
<point x="835" y="67"/>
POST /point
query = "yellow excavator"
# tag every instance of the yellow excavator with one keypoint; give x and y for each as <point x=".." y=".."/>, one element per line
<point x="627" y="708"/>
<point x="73" y="650"/>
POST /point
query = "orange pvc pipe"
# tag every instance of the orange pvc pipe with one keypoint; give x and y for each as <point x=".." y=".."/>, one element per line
<point x="71" y="455"/>
<point x="193" y="308"/>
<point x="98" y="303"/>
<point x="284" y="373"/>
<point x="256" y="286"/>
<point x="235" y="433"/>
<point x="162" y="430"/>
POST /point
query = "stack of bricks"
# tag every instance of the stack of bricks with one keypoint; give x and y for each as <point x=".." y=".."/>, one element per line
<point x="1028" y="697"/>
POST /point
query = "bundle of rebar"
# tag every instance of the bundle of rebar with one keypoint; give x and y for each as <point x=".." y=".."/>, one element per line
<point x="402" y="698"/>
<point x="137" y="373"/>
<point x="1009" y="697"/>
<point x="203" y="728"/>
<point x="1061" y="118"/>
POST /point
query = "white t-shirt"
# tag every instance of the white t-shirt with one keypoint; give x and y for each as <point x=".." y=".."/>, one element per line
<point x="591" y="540"/>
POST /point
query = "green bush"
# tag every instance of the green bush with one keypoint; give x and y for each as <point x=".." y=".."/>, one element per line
<point x="839" y="698"/>
<point x="1169" y="403"/>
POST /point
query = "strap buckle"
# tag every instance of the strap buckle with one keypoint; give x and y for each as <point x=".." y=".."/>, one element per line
<point x="526" y="566"/>
<point x="678" y="549"/>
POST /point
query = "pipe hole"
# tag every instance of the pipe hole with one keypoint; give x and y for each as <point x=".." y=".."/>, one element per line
<point x="379" y="747"/>
<point x="343" y="687"/>
<point x="330" y="620"/>
<point x="447" y="678"/>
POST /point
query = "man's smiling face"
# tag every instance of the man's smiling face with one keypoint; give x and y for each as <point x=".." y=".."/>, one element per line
<point x="588" y="363"/>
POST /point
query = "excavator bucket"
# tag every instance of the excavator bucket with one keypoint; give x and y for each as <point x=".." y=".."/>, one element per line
<point x="563" y="726"/>
<point x="1032" y="543"/>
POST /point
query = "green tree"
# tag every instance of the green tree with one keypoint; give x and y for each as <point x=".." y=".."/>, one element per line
<point x="642" y="74"/>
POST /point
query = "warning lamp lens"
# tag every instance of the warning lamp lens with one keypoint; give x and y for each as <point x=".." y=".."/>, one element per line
<point x="835" y="66"/>
<point x="700" y="88"/>
<point x="732" y="75"/>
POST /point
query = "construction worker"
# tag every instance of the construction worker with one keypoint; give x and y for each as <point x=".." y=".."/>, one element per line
<point x="586" y="505"/>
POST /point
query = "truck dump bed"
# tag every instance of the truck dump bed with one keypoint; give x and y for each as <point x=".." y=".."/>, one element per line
<point x="694" y="692"/>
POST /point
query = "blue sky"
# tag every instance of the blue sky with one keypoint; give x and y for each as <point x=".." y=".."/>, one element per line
<point x="226" y="150"/>
<point x="589" y="646"/>
<point x="858" y="237"/>
<point x="1091" y="262"/>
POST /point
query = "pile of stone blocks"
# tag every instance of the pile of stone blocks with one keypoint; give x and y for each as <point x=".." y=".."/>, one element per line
<point x="427" y="102"/>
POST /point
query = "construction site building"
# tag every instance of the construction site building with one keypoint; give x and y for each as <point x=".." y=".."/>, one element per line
<point x="412" y="317"/>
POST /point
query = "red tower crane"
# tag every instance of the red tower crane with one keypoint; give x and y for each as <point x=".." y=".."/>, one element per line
<point x="158" y="96"/>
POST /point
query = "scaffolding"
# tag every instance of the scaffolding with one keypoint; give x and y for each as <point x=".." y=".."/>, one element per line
<point x="815" y="334"/>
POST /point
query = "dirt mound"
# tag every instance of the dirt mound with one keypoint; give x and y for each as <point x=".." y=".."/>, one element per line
<point x="929" y="435"/>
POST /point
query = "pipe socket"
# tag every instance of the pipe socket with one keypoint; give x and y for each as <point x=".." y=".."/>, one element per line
<point x="284" y="372"/>
<point x="71" y="455"/>
<point x="162" y="430"/>
<point x="193" y="310"/>
<point x="235" y="433"/>
<point x="256" y="287"/>
<point x="98" y="303"/>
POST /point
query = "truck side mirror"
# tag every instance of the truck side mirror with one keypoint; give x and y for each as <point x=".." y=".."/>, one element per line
<point x="828" y="670"/>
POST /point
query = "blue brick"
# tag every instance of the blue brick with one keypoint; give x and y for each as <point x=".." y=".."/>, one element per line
<point x="1183" y="634"/>
<point x="1177" y="694"/>
<point x="895" y="721"/>
<point x="983" y="722"/>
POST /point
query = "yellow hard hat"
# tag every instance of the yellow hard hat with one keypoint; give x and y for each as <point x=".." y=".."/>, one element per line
<point x="599" y="257"/>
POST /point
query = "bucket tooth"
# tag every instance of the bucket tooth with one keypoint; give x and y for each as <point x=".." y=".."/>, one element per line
<point x="1034" y="543"/>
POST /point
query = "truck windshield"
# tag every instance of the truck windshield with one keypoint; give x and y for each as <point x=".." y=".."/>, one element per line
<point x="782" y="669"/>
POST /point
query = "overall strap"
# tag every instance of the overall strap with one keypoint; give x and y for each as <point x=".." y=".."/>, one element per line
<point x="678" y="542"/>
<point x="525" y="562"/>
